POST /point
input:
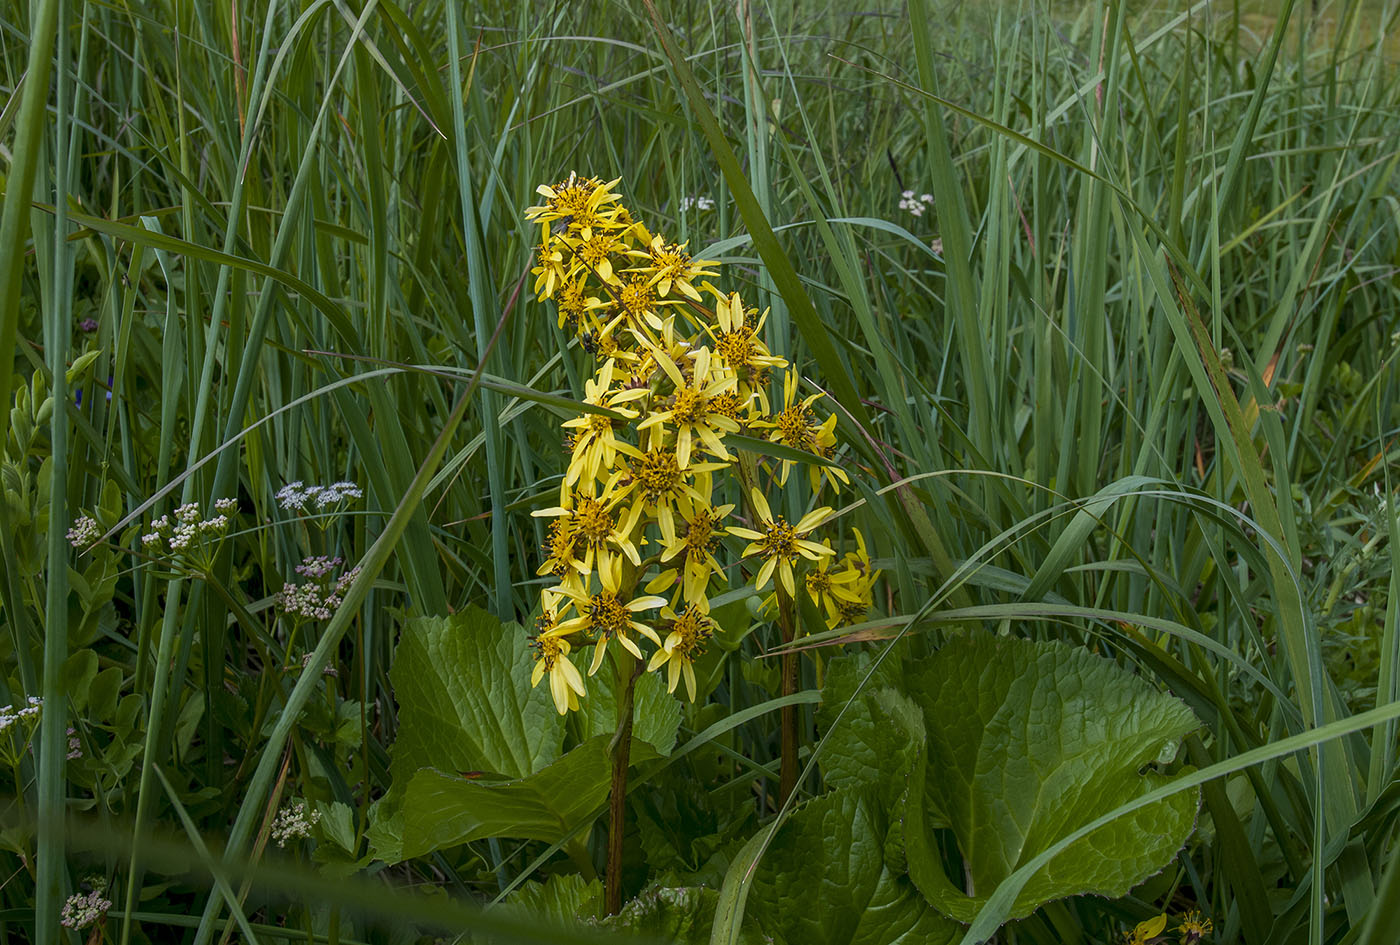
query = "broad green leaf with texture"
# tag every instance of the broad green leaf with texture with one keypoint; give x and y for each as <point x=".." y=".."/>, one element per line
<point x="825" y="881"/>
<point x="1026" y="742"/>
<point x="466" y="706"/>
<point x="442" y="810"/>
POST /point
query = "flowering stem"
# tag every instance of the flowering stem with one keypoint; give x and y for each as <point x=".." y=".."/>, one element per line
<point x="787" y="769"/>
<point x="629" y="668"/>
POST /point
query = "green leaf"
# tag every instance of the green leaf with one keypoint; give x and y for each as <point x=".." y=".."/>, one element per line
<point x="824" y="879"/>
<point x="562" y="899"/>
<point x="863" y="747"/>
<point x="1028" y="742"/>
<point x="442" y="810"/>
<point x="78" y="673"/>
<point x="656" y="713"/>
<point x="466" y="705"/>
<point x="680" y="914"/>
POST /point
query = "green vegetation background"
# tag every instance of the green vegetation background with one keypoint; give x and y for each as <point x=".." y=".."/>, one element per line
<point x="1158" y="274"/>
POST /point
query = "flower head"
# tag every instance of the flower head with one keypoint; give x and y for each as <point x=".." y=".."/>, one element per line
<point x="691" y="414"/>
<point x="606" y="614"/>
<point x="738" y="347"/>
<point x="576" y="203"/>
<point x="81" y="910"/>
<point x="1194" y="928"/>
<point x="779" y="543"/>
<point x="293" y="822"/>
<point x="797" y="426"/>
<point x="84" y="532"/>
<point x="552" y="656"/>
<point x="601" y="527"/>
<point x="668" y="266"/>
<point x="686" y="636"/>
<point x="1148" y="932"/>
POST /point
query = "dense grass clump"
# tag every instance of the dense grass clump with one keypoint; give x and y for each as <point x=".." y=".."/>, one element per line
<point x="1105" y="304"/>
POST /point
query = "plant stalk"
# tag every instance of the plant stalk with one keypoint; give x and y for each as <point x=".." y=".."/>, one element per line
<point x="787" y="767"/>
<point x="629" y="668"/>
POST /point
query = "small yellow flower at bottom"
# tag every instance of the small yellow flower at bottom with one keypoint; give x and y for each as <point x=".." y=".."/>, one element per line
<point x="688" y="632"/>
<point x="1148" y="932"/>
<point x="565" y="681"/>
<point x="1194" y="928"/>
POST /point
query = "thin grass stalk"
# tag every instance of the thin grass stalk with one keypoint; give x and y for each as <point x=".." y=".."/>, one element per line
<point x="30" y="128"/>
<point x="479" y="285"/>
<point x="53" y="726"/>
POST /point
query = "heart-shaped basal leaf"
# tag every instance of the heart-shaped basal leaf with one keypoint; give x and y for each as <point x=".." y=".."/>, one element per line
<point x="825" y="881"/>
<point x="462" y="684"/>
<point x="1026" y="742"/>
<point x="478" y="748"/>
<point x="441" y="810"/>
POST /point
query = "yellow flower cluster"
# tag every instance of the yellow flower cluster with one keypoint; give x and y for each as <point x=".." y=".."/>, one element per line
<point x="1192" y="930"/>
<point x="674" y="378"/>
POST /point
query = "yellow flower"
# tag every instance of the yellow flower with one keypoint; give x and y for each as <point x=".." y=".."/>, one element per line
<point x="685" y="640"/>
<point x="694" y="544"/>
<point x="837" y="590"/>
<point x="739" y="348"/>
<point x="604" y="615"/>
<point x="796" y="425"/>
<point x="670" y="266"/>
<point x="780" y="543"/>
<point x="637" y="301"/>
<point x="592" y="252"/>
<point x="549" y="274"/>
<point x="859" y="583"/>
<point x="576" y="203"/>
<point x="575" y="303"/>
<point x="597" y="528"/>
<point x="595" y="442"/>
<point x="1194" y="928"/>
<point x="690" y="412"/>
<point x="552" y="657"/>
<point x="658" y="483"/>
<point x="561" y="548"/>
<point x="1148" y="933"/>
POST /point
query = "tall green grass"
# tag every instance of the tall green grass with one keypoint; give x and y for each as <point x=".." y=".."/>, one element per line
<point x="1141" y="397"/>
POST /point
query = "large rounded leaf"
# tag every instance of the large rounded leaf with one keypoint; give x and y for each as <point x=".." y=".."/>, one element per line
<point x="1025" y="743"/>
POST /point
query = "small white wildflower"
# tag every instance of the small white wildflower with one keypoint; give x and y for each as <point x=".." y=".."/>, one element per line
<point x="926" y="198"/>
<point x="348" y="490"/>
<point x="317" y="566"/>
<point x="908" y="195"/>
<point x="85" y="531"/>
<point x="150" y="539"/>
<point x="80" y="911"/>
<point x="182" y="537"/>
<point x="291" y="496"/>
<point x="226" y="506"/>
<point x="75" y="745"/>
<point x="293" y="822"/>
<point x="188" y="513"/>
